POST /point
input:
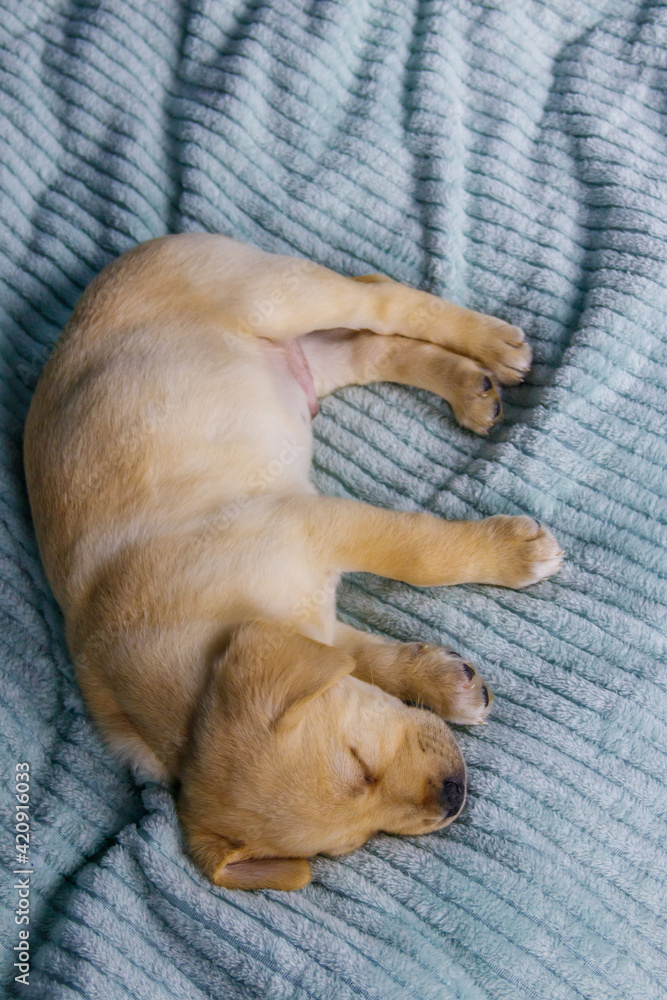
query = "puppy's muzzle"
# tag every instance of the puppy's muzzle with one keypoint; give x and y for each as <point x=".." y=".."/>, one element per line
<point x="452" y="796"/>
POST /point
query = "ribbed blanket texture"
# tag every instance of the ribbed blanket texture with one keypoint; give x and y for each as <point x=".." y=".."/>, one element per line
<point x="510" y="155"/>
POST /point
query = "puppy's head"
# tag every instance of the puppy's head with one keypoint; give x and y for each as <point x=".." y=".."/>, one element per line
<point x="290" y="756"/>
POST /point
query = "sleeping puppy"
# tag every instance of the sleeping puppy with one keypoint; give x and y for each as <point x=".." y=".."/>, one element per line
<point x="167" y="455"/>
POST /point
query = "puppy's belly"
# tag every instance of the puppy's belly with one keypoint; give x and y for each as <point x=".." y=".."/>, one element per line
<point x="292" y="377"/>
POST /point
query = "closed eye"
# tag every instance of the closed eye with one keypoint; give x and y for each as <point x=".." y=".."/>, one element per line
<point x="369" y="777"/>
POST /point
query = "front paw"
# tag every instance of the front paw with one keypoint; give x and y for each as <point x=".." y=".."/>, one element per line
<point x="448" y="685"/>
<point x="517" y="551"/>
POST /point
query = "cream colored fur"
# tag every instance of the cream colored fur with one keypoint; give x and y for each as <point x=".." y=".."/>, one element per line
<point x="167" y="455"/>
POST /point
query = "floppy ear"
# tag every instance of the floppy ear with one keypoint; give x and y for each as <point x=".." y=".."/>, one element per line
<point x="234" y="867"/>
<point x="271" y="668"/>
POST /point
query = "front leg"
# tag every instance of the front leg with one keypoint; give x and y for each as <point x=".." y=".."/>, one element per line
<point x="422" y="549"/>
<point x="420" y="673"/>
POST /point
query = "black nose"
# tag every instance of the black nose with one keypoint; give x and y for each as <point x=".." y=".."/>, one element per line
<point x="452" y="796"/>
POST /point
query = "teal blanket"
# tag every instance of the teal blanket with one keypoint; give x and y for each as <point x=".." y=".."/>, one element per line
<point x="511" y="155"/>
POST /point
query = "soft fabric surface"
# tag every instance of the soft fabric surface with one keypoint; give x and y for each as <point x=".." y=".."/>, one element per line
<point x="511" y="155"/>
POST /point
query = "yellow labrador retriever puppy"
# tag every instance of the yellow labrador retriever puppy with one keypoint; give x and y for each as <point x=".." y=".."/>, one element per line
<point x="167" y="454"/>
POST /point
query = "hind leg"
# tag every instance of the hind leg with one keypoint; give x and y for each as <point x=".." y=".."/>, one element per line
<point x="356" y="357"/>
<point x="496" y="345"/>
<point x="247" y="292"/>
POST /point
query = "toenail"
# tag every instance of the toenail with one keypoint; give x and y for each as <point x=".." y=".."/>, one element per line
<point x="485" y="695"/>
<point x="486" y="384"/>
<point x="496" y="410"/>
<point x="468" y="671"/>
<point x="539" y="526"/>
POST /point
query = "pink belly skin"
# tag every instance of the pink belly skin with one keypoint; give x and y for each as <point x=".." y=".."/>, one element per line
<point x="298" y="366"/>
<point x="289" y="357"/>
